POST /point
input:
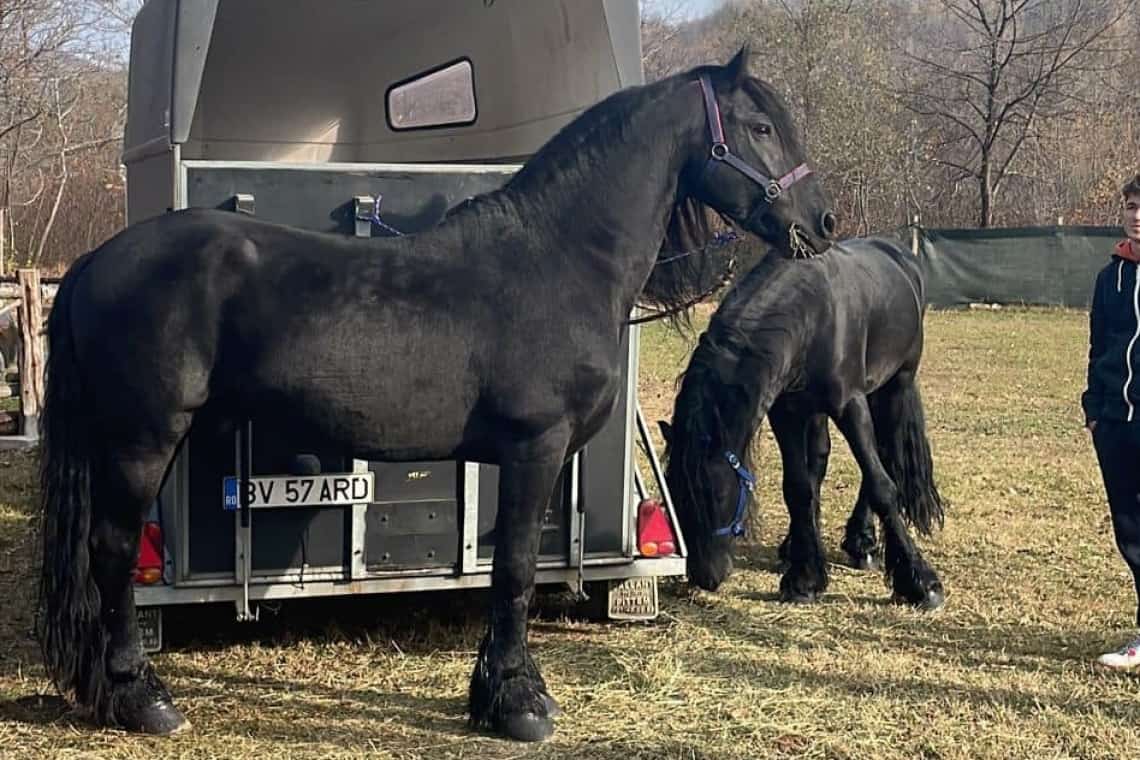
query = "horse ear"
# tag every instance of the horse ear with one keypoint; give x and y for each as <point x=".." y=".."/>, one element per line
<point x="740" y="66"/>
<point x="666" y="432"/>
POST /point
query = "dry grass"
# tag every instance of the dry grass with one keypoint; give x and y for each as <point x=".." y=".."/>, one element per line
<point x="1035" y="591"/>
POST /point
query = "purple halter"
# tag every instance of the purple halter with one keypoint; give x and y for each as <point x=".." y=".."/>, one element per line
<point x="720" y="153"/>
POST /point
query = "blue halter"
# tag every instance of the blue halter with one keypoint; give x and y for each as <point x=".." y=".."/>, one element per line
<point x="747" y="484"/>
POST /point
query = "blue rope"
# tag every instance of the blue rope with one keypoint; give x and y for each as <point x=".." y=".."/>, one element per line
<point x="375" y="218"/>
<point x="719" y="240"/>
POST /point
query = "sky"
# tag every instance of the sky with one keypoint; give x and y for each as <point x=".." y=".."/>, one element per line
<point x="681" y="9"/>
<point x="702" y="7"/>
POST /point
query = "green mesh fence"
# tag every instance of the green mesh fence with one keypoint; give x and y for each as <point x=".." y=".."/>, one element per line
<point x="1054" y="266"/>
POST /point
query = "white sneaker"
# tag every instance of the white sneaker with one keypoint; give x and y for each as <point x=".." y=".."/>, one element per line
<point x="1128" y="656"/>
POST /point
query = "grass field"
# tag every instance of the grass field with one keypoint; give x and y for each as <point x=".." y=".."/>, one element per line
<point x="1035" y="591"/>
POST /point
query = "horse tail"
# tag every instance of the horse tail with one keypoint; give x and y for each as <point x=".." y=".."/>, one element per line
<point x="71" y="637"/>
<point x="900" y="427"/>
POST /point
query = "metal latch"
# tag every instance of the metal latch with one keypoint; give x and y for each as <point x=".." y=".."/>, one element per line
<point x="363" y="209"/>
<point x="242" y="203"/>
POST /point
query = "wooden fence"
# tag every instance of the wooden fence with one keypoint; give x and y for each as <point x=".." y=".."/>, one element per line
<point x="26" y="297"/>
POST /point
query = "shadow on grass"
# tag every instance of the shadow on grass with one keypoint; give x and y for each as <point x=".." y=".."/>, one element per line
<point x="38" y="710"/>
<point x="873" y="622"/>
<point x="283" y="709"/>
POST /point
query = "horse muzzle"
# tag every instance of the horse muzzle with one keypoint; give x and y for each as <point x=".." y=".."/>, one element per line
<point x="706" y="573"/>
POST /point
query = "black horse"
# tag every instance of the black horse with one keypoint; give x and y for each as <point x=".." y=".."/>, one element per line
<point x="493" y="338"/>
<point x="837" y="336"/>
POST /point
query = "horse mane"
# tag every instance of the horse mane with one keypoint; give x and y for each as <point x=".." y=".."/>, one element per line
<point x="697" y="258"/>
<point x="580" y="145"/>
<point x="699" y="252"/>
<point x="704" y="403"/>
<point x="606" y="123"/>
<point x="753" y="326"/>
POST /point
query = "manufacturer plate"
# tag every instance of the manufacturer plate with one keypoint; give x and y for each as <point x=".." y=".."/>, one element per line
<point x="150" y="628"/>
<point x="633" y="599"/>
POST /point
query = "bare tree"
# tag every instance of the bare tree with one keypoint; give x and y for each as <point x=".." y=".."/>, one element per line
<point x="993" y="72"/>
<point x="673" y="38"/>
<point x="62" y="102"/>
<point x="834" y="60"/>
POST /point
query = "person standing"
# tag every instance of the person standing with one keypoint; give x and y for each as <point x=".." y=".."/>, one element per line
<point x="1111" y="401"/>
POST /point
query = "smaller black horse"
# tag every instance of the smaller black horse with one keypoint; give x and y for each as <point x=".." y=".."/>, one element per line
<point x="837" y="336"/>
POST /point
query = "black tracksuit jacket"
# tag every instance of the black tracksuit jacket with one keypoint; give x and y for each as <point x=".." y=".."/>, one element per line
<point x="1113" y="391"/>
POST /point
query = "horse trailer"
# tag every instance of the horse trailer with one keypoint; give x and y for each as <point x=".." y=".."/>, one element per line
<point x="370" y="118"/>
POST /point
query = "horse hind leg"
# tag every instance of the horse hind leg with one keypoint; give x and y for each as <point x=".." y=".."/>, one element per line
<point x="859" y="540"/>
<point x="136" y="699"/>
<point x="896" y="411"/>
<point x="102" y="459"/>
<point x="860" y="543"/>
<point x="914" y="581"/>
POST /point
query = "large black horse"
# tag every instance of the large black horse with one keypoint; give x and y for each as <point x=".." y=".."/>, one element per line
<point x="838" y="336"/>
<point x="494" y="338"/>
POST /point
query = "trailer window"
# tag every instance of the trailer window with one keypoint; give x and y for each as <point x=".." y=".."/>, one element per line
<point x="444" y="96"/>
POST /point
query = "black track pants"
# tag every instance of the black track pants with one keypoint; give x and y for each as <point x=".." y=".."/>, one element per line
<point x="1118" y="451"/>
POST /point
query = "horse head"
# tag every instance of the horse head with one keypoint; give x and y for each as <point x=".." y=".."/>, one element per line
<point x="753" y="166"/>
<point x="708" y="472"/>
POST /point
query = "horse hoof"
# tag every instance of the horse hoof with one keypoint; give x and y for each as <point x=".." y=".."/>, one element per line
<point x="929" y="600"/>
<point x="798" y="597"/>
<point x="526" y="727"/>
<point x="553" y="709"/>
<point x="932" y="599"/>
<point x="160" y="718"/>
<point x="866" y="562"/>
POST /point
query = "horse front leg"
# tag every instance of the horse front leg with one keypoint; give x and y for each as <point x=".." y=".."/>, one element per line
<point x="913" y="579"/>
<point x="818" y="452"/>
<point x="508" y="694"/>
<point x="806" y="576"/>
<point x="859" y="540"/>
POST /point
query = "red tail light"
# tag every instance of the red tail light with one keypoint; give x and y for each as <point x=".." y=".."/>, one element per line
<point x="148" y="569"/>
<point x="654" y="534"/>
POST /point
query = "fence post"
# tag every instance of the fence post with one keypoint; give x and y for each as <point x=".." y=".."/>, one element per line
<point x="31" y="351"/>
<point x="914" y="235"/>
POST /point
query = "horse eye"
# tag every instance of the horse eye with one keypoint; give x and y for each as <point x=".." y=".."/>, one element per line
<point x="762" y="129"/>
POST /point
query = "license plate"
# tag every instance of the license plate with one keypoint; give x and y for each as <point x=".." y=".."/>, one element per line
<point x="633" y="599"/>
<point x="150" y="628"/>
<point x="332" y="490"/>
